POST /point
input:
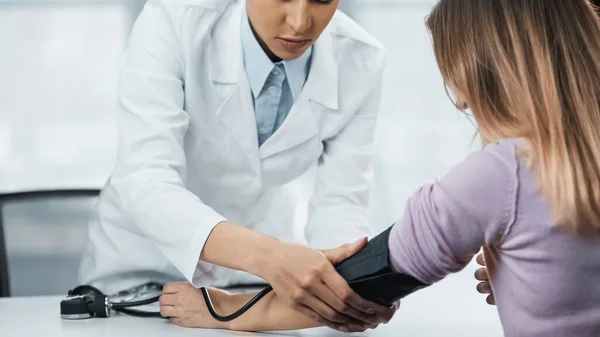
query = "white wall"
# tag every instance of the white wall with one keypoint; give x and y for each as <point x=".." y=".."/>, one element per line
<point x="421" y="133"/>
<point x="57" y="92"/>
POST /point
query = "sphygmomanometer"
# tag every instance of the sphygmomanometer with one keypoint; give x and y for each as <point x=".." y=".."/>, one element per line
<point x="88" y="302"/>
<point x="368" y="273"/>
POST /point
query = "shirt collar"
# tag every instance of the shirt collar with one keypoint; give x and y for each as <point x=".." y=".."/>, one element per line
<point x="297" y="71"/>
<point x="258" y="65"/>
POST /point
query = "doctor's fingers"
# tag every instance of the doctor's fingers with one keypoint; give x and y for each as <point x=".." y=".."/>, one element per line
<point x="325" y="294"/>
<point x="386" y="315"/>
<point x="340" y="287"/>
<point x="326" y="312"/>
<point x="310" y="313"/>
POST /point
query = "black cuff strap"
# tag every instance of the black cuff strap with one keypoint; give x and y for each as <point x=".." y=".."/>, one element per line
<point x="370" y="274"/>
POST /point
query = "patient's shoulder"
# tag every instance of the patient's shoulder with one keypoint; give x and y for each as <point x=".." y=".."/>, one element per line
<point x="484" y="186"/>
<point x="506" y="150"/>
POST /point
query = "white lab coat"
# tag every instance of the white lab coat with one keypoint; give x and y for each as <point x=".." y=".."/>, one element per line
<point x="188" y="156"/>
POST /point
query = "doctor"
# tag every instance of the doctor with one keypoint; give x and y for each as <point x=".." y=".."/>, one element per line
<point x="222" y="104"/>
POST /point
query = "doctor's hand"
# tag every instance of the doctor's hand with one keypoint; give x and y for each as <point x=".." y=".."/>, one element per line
<point x="306" y="280"/>
<point x="338" y="255"/>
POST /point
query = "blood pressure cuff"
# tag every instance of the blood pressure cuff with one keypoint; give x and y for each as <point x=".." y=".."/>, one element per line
<point x="370" y="274"/>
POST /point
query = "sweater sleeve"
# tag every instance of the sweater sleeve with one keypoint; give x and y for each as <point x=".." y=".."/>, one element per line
<point x="473" y="205"/>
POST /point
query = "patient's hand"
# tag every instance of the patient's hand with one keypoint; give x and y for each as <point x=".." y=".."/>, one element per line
<point x="481" y="274"/>
<point x="184" y="305"/>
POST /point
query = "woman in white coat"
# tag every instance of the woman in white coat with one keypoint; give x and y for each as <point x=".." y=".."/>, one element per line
<point x="222" y="104"/>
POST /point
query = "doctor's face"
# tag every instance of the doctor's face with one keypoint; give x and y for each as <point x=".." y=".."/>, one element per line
<point x="287" y="28"/>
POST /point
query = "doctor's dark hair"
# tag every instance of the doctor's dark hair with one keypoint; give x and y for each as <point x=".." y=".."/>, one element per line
<point x="531" y="69"/>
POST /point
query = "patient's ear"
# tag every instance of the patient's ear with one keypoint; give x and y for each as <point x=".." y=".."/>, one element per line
<point x="461" y="102"/>
<point x="343" y="252"/>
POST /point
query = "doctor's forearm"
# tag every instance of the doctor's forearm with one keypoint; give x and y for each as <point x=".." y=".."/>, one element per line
<point x="238" y="248"/>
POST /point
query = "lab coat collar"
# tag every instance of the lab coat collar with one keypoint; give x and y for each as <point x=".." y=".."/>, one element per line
<point x="228" y="56"/>
<point x="323" y="77"/>
<point x="322" y="81"/>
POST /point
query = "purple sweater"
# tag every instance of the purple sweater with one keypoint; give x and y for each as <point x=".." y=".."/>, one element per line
<point x="545" y="283"/>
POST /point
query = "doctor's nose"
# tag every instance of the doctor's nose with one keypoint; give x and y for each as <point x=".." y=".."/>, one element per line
<point x="299" y="17"/>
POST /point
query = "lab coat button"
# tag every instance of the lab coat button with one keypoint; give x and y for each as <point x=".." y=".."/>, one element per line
<point x="272" y="90"/>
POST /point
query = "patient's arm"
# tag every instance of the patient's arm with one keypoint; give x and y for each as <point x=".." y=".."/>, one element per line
<point x="185" y="306"/>
<point x="473" y="205"/>
<point x="268" y="314"/>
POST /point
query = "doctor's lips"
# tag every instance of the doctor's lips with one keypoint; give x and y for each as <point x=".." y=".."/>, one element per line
<point x="293" y="45"/>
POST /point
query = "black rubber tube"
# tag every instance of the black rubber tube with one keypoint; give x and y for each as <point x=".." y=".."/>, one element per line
<point x="138" y="313"/>
<point x="122" y="305"/>
<point x="237" y="313"/>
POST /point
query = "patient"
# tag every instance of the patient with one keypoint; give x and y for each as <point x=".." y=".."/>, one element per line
<point x="529" y="72"/>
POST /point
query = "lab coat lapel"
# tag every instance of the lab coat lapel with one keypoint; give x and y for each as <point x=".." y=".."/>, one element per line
<point x="320" y="93"/>
<point x="236" y="112"/>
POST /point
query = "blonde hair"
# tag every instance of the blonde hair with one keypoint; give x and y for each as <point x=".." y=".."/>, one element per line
<point x="531" y="69"/>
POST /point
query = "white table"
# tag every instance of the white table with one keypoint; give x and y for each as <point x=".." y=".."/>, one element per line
<point x="451" y="308"/>
<point x="39" y="316"/>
